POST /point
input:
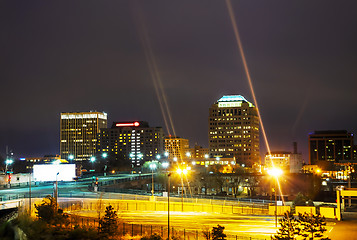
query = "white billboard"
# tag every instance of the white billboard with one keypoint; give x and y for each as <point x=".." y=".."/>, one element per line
<point x="51" y="172"/>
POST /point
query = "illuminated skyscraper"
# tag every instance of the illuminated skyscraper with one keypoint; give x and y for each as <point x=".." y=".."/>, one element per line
<point x="79" y="132"/>
<point x="131" y="143"/>
<point x="233" y="130"/>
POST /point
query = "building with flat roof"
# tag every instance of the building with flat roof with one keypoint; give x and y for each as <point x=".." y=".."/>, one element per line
<point x="329" y="147"/>
<point x="131" y="143"/>
<point x="233" y="130"/>
<point x="78" y="134"/>
<point x="177" y="148"/>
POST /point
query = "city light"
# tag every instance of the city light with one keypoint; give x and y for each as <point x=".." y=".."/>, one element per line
<point x="275" y="172"/>
<point x="9" y="161"/>
<point x="92" y="159"/>
<point x="71" y="157"/>
<point x="104" y="155"/>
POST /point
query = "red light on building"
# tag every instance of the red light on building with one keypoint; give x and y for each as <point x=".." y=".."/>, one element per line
<point x="134" y="124"/>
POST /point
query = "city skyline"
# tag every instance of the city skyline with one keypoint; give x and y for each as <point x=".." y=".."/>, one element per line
<point x="301" y="57"/>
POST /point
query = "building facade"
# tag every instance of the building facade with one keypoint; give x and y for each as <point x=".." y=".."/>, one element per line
<point x="177" y="148"/>
<point x="131" y="143"/>
<point x="287" y="161"/>
<point x="79" y="133"/>
<point x="233" y="130"/>
<point x="329" y="147"/>
<point x="198" y="152"/>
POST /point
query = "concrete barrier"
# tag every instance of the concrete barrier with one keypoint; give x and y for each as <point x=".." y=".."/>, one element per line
<point x="305" y="209"/>
<point x="280" y="210"/>
<point x="328" y="212"/>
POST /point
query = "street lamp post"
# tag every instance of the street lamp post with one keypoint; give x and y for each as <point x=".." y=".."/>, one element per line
<point x="275" y="172"/>
<point x="168" y="207"/>
<point x="105" y="155"/>
<point x="182" y="172"/>
<point x="56" y="190"/>
<point x="92" y="159"/>
<point x="152" y="167"/>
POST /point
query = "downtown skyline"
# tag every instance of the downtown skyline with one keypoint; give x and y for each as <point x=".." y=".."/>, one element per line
<point x="89" y="56"/>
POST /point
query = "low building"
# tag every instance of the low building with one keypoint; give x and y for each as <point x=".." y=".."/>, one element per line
<point x="177" y="148"/>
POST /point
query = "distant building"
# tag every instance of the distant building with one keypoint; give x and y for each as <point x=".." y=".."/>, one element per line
<point x="27" y="163"/>
<point x="329" y="147"/>
<point x="233" y="130"/>
<point x="198" y="152"/>
<point x="288" y="161"/>
<point x="132" y="143"/>
<point x="176" y="147"/>
<point x="78" y="134"/>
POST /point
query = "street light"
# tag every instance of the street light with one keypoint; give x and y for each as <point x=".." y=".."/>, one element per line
<point x="158" y="156"/>
<point x="8" y="162"/>
<point x="70" y="157"/>
<point x="92" y="160"/>
<point x="168" y="207"/>
<point x="104" y="156"/>
<point x="152" y="167"/>
<point x="166" y="154"/>
<point x="182" y="172"/>
<point x="275" y="172"/>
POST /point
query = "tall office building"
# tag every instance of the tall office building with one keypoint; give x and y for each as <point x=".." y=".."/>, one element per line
<point x="131" y="143"/>
<point x="233" y="130"/>
<point x="330" y="147"/>
<point x="79" y="132"/>
<point x="176" y="147"/>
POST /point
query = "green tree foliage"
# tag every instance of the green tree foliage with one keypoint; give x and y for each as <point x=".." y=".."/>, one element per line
<point x="108" y="225"/>
<point x="302" y="200"/>
<point x="217" y="233"/>
<point x="305" y="226"/>
<point x="289" y="227"/>
<point x="49" y="212"/>
<point x="312" y="226"/>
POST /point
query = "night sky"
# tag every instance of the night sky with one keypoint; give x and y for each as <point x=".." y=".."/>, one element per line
<point x="60" y="56"/>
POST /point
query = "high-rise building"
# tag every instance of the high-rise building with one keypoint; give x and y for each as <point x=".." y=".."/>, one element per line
<point x="131" y="143"/>
<point x="176" y="147"/>
<point x="333" y="146"/>
<point x="233" y="130"/>
<point x="78" y="134"/>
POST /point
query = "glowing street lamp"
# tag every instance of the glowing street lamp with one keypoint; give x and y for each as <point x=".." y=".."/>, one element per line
<point x="165" y="165"/>
<point x="158" y="156"/>
<point x="104" y="156"/>
<point x="166" y="154"/>
<point x="182" y="172"/>
<point x="275" y="172"/>
<point x="152" y="167"/>
<point x="7" y="163"/>
<point x="70" y="157"/>
<point x="92" y="160"/>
